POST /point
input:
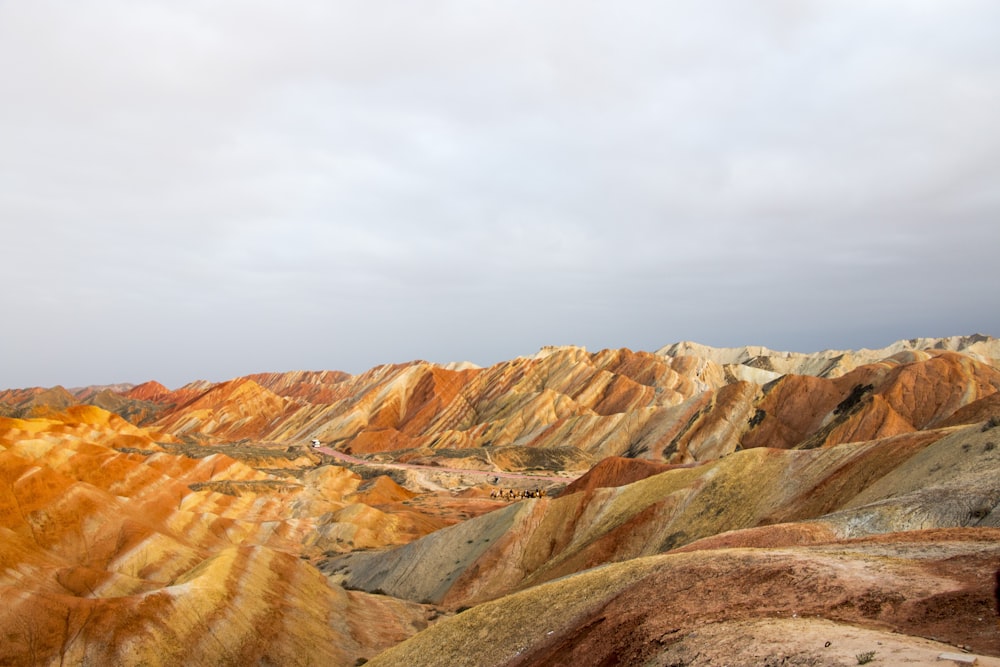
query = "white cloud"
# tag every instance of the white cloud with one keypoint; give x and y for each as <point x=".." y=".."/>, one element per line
<point x="349" y="183"/>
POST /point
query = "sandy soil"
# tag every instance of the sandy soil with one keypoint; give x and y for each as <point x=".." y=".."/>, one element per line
<point x="807" y="642"/>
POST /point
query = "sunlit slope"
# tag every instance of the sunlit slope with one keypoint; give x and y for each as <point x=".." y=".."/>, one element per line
<point x="943" y="478"/>
<point x="116" y="551"/>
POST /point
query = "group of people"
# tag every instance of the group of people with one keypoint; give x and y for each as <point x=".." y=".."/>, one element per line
<point x="512" y="494"/>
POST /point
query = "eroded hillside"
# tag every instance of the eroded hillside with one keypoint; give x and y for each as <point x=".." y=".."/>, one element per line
<point x="680" y="502"/>
<point x="119" y="549"/>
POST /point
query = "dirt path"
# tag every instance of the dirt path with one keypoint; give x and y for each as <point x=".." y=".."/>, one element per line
<point x="347" y="458"/>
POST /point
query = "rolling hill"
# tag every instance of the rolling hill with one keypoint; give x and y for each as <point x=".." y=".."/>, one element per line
<point x="689" y="506"/>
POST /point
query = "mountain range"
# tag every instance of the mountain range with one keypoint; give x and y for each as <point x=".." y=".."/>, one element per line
<point x="687" y="506"/>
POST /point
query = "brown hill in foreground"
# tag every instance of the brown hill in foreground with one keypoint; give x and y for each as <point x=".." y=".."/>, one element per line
<point x="736" y="507"/>
<point x="820" y="605"/>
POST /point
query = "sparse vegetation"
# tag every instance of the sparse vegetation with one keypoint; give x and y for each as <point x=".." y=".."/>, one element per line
<point x="542" y="546"/>
<point x="239" y="451"/>
<point x="233" y="487"/>
<point x="135" y="450"/>
<point x="979" y="513"/>
<point x="368" y="473"/>
<point x="865" y="658"/>
<point x="854" y="398"/>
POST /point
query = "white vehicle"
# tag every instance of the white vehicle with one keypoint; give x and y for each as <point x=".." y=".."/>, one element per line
<point x="315" y="442"/>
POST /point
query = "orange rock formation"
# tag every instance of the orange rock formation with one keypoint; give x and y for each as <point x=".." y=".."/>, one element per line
<point x="730" y="504"/>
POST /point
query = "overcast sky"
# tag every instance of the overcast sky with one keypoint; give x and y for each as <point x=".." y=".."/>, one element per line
<point x="202" y="190"/>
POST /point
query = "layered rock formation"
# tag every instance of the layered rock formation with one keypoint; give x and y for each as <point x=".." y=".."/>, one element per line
<point x="703" y="506"/>
<point x="819" y="605"/>
<point x="685" y="403"/>
<point x="117" y="551"/>
<point x="942" y="479"/>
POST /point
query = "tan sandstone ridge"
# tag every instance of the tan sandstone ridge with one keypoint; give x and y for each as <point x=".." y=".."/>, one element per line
<point x="702" y="507"/>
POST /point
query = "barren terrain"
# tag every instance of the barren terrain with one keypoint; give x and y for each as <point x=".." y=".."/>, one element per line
<point x="692" y="506"/>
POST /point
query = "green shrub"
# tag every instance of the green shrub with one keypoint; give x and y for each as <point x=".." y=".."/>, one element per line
<point x="865" y="658"/>
<point x="854" y="398"/>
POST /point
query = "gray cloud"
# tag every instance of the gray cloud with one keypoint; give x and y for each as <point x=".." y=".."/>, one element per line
<point x="193" y="191"/>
